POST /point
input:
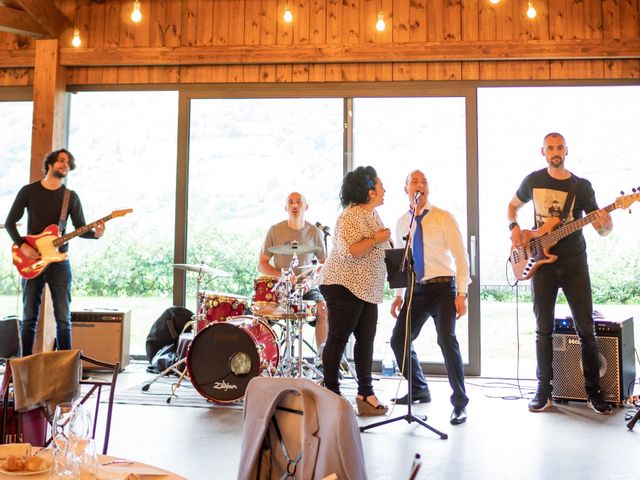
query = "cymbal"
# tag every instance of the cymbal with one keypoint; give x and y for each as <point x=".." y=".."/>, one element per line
<point x="201" y="268"/>
<point x="294" y="248"/>
<point x="310" y="267"/>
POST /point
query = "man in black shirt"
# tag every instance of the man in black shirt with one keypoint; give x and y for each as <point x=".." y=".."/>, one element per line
<point x="43" y="202"/>
<point x="549" y="188"/>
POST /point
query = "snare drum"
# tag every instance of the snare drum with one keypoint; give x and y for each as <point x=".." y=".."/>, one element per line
<point x="225" y="356"/>
<point x="264" y="301"/>
<point x="216" y="307"/>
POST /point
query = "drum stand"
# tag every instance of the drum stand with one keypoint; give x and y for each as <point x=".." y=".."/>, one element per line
<point x="174" y="368"/>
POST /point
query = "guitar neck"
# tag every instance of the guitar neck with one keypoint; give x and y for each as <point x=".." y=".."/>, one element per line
<point x="555" y="236"/>
<point x="80" y="231"/>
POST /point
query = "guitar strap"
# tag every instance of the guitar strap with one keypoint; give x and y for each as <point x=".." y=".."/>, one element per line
<point x="571" y="194"/>
<point x="62" y="223"/>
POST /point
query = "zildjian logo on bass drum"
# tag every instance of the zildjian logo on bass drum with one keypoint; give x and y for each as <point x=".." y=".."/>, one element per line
<point x="224" y="386"/>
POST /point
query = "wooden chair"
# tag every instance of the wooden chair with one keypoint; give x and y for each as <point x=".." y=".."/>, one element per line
<point x="95" y="386"/>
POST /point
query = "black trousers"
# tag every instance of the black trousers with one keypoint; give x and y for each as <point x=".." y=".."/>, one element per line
<point x="348" y="315"/>
<point x="433" y="300"/>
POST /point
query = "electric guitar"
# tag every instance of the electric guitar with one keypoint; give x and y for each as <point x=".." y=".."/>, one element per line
<point x="47" y="243"/>
<point x="527" y="259"/>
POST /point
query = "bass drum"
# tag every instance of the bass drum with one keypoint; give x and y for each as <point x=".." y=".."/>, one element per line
<point x="225" y="356"/>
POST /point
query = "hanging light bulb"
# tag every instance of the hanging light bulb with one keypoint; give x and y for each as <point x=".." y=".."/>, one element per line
<point x="136" y="14"/>
<point x="494" y="2"/>
<point x="75" y="41"/>
<point x="531" y="11"/>
<point x="288" y="16"/>
<point x="380" y="25"/>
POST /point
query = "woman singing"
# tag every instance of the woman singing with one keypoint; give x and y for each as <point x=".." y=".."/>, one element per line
<point x="352" y="282"/>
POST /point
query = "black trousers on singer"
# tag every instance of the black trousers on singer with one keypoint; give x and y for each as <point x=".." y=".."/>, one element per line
<point x="434" y="300"/>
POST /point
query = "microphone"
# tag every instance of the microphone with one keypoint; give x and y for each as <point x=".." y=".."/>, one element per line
<point x="323" y="229"/>
<point x="416" y="196"/>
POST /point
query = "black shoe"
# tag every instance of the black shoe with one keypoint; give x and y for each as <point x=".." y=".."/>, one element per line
<point x="420" y="397"/>
<point x="598" y="405"/>
<point x="540" y="402"/>
<point x="458" y="416"/>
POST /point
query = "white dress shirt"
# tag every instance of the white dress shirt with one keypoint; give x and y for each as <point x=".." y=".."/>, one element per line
<point x="444" y="252"/>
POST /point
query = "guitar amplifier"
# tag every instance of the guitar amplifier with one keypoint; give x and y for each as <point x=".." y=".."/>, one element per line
<point x="617" y="364"/>
<point x="102" y="334"/>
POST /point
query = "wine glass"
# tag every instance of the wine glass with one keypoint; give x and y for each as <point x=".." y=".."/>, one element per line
<point x="88" y="462"/>
<point x="71" y="431"/>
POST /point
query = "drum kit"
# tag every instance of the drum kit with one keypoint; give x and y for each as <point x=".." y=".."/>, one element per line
<point x="235" y="340"/>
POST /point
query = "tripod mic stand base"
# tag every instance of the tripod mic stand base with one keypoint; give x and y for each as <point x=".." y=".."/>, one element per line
<point x="410" y="418"/>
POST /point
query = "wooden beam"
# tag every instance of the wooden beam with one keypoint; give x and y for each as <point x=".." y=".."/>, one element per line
<point x="465" y="51"/>
<point x="19" y="22"/>
<point x="47" y="15"/>
<point x="49" y="107"/>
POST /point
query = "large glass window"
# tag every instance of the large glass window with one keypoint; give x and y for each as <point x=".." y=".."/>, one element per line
<point x="397" y="136"/>
<point x="600" y="126"/>
<point x="15" y="145"/>
<point x="245" y="157"/>
<point x="125" y="149"/>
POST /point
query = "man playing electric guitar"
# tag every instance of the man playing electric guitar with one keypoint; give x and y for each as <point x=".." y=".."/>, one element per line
<point x="558" y="197"/>
<point x="43" y="201"/>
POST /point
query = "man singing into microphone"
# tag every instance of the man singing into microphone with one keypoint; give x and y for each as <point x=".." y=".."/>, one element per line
<point x="442" y="276"/>
<point x="285" y="232"/>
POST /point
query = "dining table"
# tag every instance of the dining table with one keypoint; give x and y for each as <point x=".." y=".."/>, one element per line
<point x="110" y="468"/>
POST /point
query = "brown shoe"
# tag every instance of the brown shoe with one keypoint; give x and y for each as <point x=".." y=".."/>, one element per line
<point x="370" y="406"/>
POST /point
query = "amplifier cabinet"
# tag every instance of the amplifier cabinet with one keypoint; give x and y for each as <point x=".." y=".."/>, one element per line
<point x="102" y="334"/>
<point x="617" y="365"/>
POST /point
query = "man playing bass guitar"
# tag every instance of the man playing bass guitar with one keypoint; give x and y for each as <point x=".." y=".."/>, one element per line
<point x="559" y="197"/>
<point x="43" y="201"/>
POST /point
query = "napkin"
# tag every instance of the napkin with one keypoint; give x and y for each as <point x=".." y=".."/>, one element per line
<point x="17" y="449"/>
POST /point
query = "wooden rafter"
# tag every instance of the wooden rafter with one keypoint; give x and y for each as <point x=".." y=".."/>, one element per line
<point x="20" y="22"/>
<point x="45" y="14"/>
<point x="459" y="51"/>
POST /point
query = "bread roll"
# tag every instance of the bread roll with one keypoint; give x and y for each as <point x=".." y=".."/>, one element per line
<point x="14" y="463"/>
<point x="35" y="464"/>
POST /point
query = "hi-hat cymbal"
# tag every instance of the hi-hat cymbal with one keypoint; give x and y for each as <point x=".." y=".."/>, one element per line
<point x="294" y="248"/>
<point x="201" y="268"/>
<point x="310" y="267"/>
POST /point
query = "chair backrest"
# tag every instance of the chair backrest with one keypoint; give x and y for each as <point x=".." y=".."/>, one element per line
<point x="92" y="391"/>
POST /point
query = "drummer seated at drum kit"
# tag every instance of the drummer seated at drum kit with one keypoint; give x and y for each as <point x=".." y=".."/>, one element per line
<point x="299" y="236"/>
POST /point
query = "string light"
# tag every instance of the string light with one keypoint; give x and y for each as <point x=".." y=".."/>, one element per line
<point x="288" y="16"/>
<point x="76" y="41"/>
<point x="531" y="11"/>
<point x="380" y="25"/>
<point x="136" y="14"/>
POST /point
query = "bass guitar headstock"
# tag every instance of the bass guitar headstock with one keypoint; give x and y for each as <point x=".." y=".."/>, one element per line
<point x="625" y="201"/>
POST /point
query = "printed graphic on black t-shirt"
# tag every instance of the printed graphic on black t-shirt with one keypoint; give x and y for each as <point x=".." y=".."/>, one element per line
<point x="549" y="203"/>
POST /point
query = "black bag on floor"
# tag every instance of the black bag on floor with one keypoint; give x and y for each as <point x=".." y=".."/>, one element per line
<point x="166" y="330"/>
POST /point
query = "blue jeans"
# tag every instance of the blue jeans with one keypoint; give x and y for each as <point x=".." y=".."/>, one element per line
<point x="576" y="285"/>
<point x="433" y="300"/>
<point x="58" y="277"/>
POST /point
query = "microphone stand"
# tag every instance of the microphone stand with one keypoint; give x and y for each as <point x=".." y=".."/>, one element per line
<point x="407" y="267"/>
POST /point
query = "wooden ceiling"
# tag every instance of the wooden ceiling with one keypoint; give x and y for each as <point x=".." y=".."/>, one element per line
<point x="34" y="18"/>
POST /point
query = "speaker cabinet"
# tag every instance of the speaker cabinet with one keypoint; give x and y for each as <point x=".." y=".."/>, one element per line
<point x="102" y="334"/>
<point x="617" y="367"/>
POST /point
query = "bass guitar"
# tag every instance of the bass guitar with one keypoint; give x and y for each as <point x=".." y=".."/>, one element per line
<point x="535" y="252"/>
<point x="47" y="243"/>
